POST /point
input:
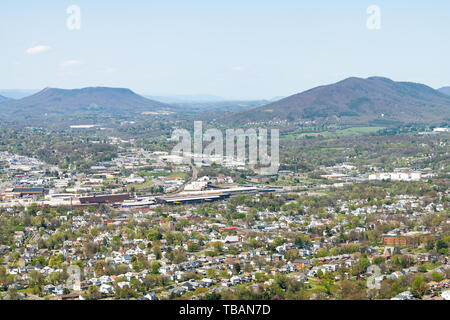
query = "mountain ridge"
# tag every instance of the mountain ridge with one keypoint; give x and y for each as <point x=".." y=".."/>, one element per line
<point x="89" y="99"/>
<point x="445" y="90"/>
<point x="2" y="99"/>
<point x="356" y="100"/>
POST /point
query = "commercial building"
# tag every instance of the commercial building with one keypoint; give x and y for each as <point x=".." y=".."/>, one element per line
<point x="104" y="199"/>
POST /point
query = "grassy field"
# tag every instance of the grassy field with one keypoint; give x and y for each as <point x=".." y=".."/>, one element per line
<point x="174" y="175"/>
<point x="352" y="131"/>
<point x="148" y="183"/>
<point x="170" y="175"/>
<point x="335" y="133"/>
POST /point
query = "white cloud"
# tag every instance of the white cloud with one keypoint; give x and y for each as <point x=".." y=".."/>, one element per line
<point x="37" y="49"/>
<point x="71" y="63"/>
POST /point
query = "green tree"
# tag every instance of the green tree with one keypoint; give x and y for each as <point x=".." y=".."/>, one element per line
<point x="94" y="293"/>
<point x="155" y="267"/>
<point x="237" y="268"/>
<point x="442" y="247"/>
<point x="419" y="286"/>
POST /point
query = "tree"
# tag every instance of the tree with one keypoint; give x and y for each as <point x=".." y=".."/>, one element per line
<point x="319" y="273"/>
<point x="237" y="268"/>
<point x="154" y="234"/>
<point x="292" y="254"/>
<point x="200" y="291"/>
<point x="364" y="263"/>
<point x="248" y="268"/>
<point x="260" y="277"/>
<point x="212" y="296"/>
<point x="155" y="267"/>
<point x="348" y="290"/>
<point x="12" y="292"/>
<point x="192" y="247"/>
<point x="94" y="293"/>
<point x="419" y="286"/>
<point x="378" y="260"/>
<point x="281" y="281"/>
<point x="157" y="252"/>
<point x="211" y="273"/>
<point x="218" y="246"/>
<point x="322" y="253"/>
<point x="437" y="277"/>
<point x="442" y="247"/>
<point x="224" y="274"/>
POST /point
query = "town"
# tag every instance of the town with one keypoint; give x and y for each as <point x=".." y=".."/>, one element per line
<point x="145" y="225"/>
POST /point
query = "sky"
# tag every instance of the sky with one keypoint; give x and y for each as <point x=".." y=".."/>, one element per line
<point x="246" y="49"/>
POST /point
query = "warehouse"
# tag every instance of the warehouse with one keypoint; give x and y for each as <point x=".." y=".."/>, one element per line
<point x="105" y="199"/>
<point x="191" y="199"/>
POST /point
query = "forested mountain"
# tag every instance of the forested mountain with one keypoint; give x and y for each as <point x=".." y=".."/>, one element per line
<point x="357" y="100"/>
<point x="51" y="101"/>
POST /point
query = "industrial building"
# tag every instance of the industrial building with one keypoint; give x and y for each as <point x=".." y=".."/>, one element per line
<point x="179" y="200"/>
<point x="104" y="199"/>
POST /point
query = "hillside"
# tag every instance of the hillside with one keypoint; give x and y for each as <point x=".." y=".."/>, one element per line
<point x="445" y="90"/>
<point x="107" y="101"/>
<point x="2" y="99"/>
<point x="374" y="100"/>
<point x="17" y="93"/>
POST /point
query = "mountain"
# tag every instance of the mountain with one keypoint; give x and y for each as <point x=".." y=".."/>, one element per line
<point x="206" y="103"/>
<point x="2" y="99"/>
<point x="17" y="94"/>
<point x="109" y="101"/>
<point x="374" y="100"/>
<point x="193" y="98"/>
<point x="445" y="90"/>
<point x="274" y="99"/>
<point x="219" y="106"/>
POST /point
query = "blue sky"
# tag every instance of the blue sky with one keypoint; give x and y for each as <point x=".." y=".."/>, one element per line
<point x="235" y="49"/>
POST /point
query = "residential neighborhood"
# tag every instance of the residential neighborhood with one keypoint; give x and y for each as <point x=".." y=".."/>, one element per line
<point x="143" y="227"/>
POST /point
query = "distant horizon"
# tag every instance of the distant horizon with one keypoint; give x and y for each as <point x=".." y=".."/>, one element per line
<point x="217" y="98"/>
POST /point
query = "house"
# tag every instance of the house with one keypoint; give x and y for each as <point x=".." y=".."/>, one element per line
<point x="59" y="290"/>
<point x="301" y="263"/>
<point x="235" y="280"/>
<point x="151" y="297"/>
<point x="285" y="172"/>
<point x="123" y="284"/>
<point x="133" y="179"/>
<point x="207" y="282"/>
<point x="232" y="239"/>
<point x="396" y="240"/>
<point x="390" y="251"/>
<point x="301" y="277"/>
<point x="178" y="291"/>
<point x="49" y="289"/>
<point x="227" y="283"/>
<point x="106" y="289"/>
<point x="406" y="295"/>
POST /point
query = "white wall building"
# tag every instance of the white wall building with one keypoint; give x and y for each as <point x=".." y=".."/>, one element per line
<point x="397" y="176"/>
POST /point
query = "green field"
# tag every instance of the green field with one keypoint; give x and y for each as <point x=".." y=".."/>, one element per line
<point x="335" y="133"/>
<point x="171" y="175"/>
<point x="351" y="131"/>
<point x="148" y="183"/>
